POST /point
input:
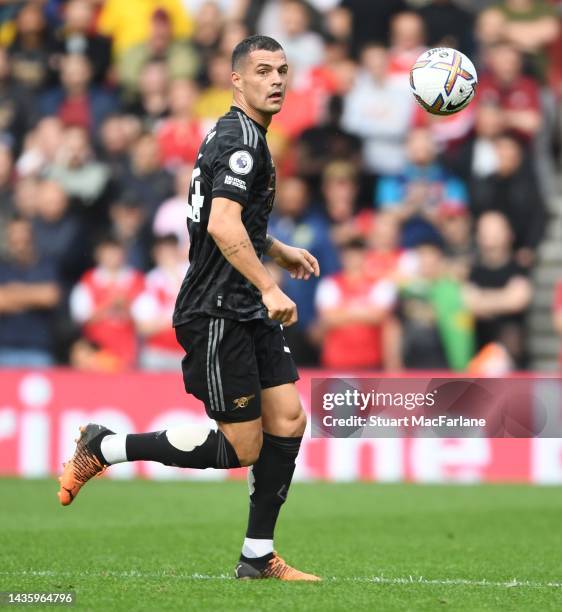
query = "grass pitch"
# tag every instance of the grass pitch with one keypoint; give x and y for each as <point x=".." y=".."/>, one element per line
<point x="172" y="546"/>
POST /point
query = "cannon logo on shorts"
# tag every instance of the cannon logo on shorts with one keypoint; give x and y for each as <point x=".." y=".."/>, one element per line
<point x="242" y="402"/>
<point x="241" y="162"/>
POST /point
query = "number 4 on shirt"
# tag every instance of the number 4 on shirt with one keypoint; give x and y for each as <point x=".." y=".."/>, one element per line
<point x="195" y="205"/>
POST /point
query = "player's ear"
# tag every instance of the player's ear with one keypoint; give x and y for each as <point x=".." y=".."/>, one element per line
<point x="236" y="81"/>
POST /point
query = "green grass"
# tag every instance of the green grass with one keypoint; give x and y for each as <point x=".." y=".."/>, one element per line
<point x="140" y="546"/>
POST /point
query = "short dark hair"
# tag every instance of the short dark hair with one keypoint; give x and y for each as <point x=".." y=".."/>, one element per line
<point x="253" y="43"/>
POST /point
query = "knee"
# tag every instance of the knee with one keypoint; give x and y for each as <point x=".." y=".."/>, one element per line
<point x="291" y="425"/>
<point x="299" y="424"/>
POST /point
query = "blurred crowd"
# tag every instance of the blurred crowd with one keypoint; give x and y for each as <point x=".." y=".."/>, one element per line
<point x="426" y="228"/>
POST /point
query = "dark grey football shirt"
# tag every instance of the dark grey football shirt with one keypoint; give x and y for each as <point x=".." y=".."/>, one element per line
<point x="233" y="162"/>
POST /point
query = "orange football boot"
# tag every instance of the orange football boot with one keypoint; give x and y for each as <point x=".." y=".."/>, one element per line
<point x="276" y="568"/>
<point x="83" y="466"/>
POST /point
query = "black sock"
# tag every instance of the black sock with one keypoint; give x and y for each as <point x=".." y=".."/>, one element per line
<point x="270" y="478"/>
<point x="216" y="451"/>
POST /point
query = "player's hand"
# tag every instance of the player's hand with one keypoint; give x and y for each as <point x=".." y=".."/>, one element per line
<point x="299" y="262"/>
<point x="279" y="306"/>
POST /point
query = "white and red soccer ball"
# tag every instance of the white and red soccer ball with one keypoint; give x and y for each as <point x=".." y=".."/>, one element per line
<point x="443" y="81"/>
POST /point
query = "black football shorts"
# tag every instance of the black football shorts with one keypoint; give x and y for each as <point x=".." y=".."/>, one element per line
<point x="228" y="363"/>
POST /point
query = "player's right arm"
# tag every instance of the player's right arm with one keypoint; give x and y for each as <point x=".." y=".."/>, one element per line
<point x="227" y="230"/>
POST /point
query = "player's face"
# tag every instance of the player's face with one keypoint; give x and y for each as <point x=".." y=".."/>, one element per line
<point x="262" y="79"/>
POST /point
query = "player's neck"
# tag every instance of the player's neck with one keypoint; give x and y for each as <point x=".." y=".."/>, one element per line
<point x="263" y="119"/>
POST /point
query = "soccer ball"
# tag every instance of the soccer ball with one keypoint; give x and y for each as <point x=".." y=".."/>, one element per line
<point x="443" y="81"/>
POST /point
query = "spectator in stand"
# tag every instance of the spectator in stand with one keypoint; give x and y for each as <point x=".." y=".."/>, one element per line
<point x="415" y="196"/>
<point x="77" y="101"/>
<point x="489" y="29"/>
<point x="498" y="292"/>
<point x="118" y="134"/>
<point x="145" y="180"/>
<point x="372" y="20"/>
<point x="127" y="22"/>
<point x="151" y="104"/>
<point x="25" y="197"/>
<point x="338" y="26"/>
<point x="385" y="258"/>
<point x="407" y="43"/>
<point x="265" y="17"/>
<point x="530" y="26"/>
<point x="178" y="55"/>
<point x="180" y="135"/>
<point x="128" y="225"/>
<point x="304" y="48"/>
<point x="170" y="217"/>
<point x="207" y="32"/>
<point x="504" y="85"/>
<point x="557" y="312"/>
<point x="432" y="328"/>
<point x="83" y="178"/>
<point x="476" y="157"/>
<point x="378" y="111"/>
<point x="448" y="25"/>
<point x="17" y="113"/>
<point x="317" y="146"/>
<point x="294" y="222"/>
<point x="351" y="310"/>
<point x="340" y="190"/>
<point x="58" y="233"/>
<point x="233" y="32"/>
<point x="455" y="225"/>
<point x="42" y="145"/>
<point x="30" y="52"/>
<point x="215" y="99"/>
<point x="101" y="303"/>
<point x="28" y="297"/>
<point x="76" y="35"/>
<point x="153" y="309"/>
<point x="336" y="76"/>
<point x="63" y="239"/>
<point x="512" y="190"/>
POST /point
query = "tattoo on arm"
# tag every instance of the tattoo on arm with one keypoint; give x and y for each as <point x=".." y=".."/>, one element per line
<point x="232" y="249"/>
<point x="268" y="243"/>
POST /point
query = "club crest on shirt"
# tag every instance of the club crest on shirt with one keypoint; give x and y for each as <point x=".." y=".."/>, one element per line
<point x="241" y="162"/>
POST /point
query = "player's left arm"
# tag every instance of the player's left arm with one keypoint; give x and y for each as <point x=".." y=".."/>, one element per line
<point x="299" y="262"/>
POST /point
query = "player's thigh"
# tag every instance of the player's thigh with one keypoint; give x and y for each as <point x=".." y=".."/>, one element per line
<point x="220" y="368"/>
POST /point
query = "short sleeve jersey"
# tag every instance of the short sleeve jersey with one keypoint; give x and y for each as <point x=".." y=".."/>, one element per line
<point x="233" y="162"/>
